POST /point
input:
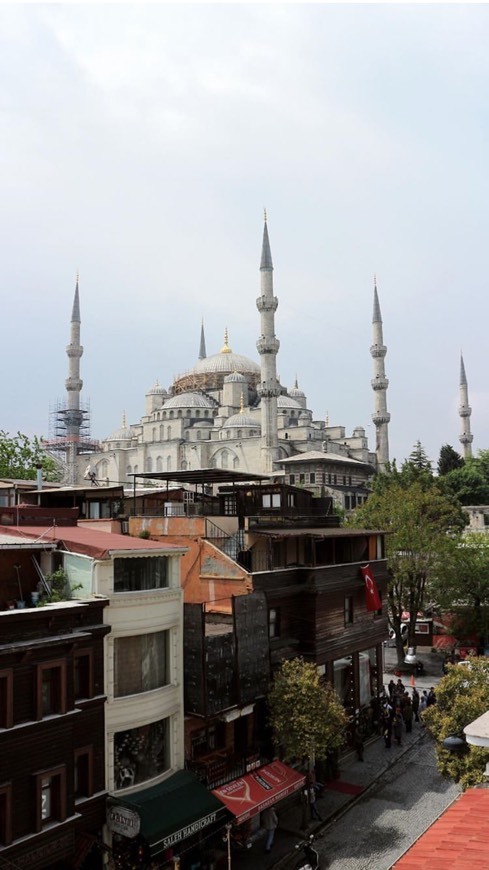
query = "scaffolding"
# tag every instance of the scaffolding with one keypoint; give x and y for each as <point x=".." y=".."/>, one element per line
<point x="62" y="444"/>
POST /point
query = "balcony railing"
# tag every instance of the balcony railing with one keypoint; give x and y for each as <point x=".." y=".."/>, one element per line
<point x="219" y="768"/>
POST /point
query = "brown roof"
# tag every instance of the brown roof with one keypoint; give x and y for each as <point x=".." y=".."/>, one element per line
<point x="312" y="532"/>
<point x="201" y="475"/>
<point x="90" y="542"/>
<point x="458" y="840"/>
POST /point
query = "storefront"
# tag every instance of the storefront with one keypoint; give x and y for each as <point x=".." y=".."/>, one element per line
<point x="171" y="819"/>
<point x="247" y="796"/>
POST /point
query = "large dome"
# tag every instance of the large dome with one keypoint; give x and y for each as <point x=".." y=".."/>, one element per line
<point x="188" y="400"/>
<point x="287" y="402"/>
<point x="209" y="373"/>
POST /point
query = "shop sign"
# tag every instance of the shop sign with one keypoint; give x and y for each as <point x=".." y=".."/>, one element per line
<point x="120" y="820"/>
<point x="189" y="830"/>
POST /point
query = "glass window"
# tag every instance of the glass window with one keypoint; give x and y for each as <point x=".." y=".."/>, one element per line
<point x="83" y="772"/>
<point x="312" y="477"/>
<point x="51" y="688"/>
<point x="83" y="674"/>
<point x="302" y="478"/>
<point x="6" y="699"/>
<point x="51" y="796"/>
<point x="140" y="574"/>
<point x="291" y="479"/>
<point x="141" y="753"/>
<point x="141" y="663"/>
<point x="273" y="622"/>
<point x="348" y="609"/>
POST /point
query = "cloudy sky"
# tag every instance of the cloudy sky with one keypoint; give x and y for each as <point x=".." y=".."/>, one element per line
<point x="140" y="144"/>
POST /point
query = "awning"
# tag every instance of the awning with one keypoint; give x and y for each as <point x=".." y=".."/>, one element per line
<point x="173" y="810"/>
<point x="251" y="794"/>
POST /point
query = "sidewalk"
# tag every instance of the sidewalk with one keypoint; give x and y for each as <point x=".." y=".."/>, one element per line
<point x="355" y="779"/>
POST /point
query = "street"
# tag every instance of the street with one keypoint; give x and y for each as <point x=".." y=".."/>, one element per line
<point x="379" y="828"/>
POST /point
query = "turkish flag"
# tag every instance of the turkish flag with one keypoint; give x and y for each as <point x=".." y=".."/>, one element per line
<point x="372" y="595"/>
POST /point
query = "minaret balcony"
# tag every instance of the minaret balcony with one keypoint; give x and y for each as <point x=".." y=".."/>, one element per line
<point x="73" y="384"/>
<point x="466" y="438"/>
<point x="267" y="303"/>
<point x="382" y="417"/>
<point x="269" y="389"/>
<point x="378" y="350"/>
<point x="464" y="411"/>
<point x="267" y="345"/>
<point x="74" y="350"/>
<point x="380" y="383"/>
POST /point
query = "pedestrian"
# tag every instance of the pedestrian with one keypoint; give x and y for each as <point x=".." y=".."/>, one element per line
<point x="311" y="796"/>
<point x="397" y="726"/>
<point x="387" y="728"/>
<point x="270" y="821"/>
<point x="391" y="688"/>
<point x="358" y="739"/>
<point x="415" y="704"/>
<point x="423" y="703"/>
<point x="431" y="699"/>
<point x="407" y="715"/>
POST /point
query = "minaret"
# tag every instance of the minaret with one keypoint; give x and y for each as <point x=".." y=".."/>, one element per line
<point x="202" y="350"/>
<point x="267" y="345"/>
<point x="380" y="383"/>
<point x="464" y="411"/>
<point x="74" y="416"/>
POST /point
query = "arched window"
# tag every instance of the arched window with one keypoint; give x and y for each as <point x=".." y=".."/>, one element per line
<point x="240" y="433"/>
<point x="154" y="433"/>
<point x="168" y="433"/>
<point x="128" y="470"/>
<point x="164" y="415"/>
<point x="172" y="414"/>
<point x="188" y="412"/>
<point x="136" y="469"/>
<point x="228" y="434"/>
<point x="168" y="463"/>
<point x="198" y="436"/>
<point x="235" y="462"/>
<point x="213" y="462"/>
<point x="148" y="466"/>
<point x="224" y="459"/>
<point x="184" y="465"/>
<point x="179" y="413"/>
<point x="162" y="433"/>
<point x="159" y="463"/>
<point x="197" y="413"/>
<point x="187" y="435"/>
<point x="103" y="469"/>
<point x="206" y="413"/>
<point x="158" y="416"/>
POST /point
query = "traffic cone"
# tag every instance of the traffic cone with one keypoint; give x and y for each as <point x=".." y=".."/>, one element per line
<point x="412" y="681"/>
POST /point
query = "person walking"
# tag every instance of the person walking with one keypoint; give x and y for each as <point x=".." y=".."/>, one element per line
<point x="387" y="728"/>
<point x="311" y="796"/>
<point x="415" y="704"/>
<point x="270" y="821"/>
<point x="358" y="739"/>
<point x="423" y="703"/>
<point x="397" y="726"/>
<point x="407" y="715"/>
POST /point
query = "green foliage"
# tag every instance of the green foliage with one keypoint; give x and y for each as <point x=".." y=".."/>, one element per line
<point x="449" y="460"/>
<point x="61" y="589"/>
<point x="306" y="715"/>
<point x="470" y="482"/>
<point x="419" y="518"/>
<point x="418" y="459"/>
<point x="462" y="588"/>
<point x="19" y="456"/>
<point x="144" y="533"/>
<point x="462" y="696"/>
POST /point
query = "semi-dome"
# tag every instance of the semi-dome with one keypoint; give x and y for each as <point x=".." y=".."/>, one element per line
<point x="242" y="421"/>
<point x="123" y="434"/>
<point x="226" y="363"/>
<point x="287" y="402"/>
<point x="188" y="400"/>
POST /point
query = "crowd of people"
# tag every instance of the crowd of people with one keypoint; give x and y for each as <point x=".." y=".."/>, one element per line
<point x="401" y="709"/>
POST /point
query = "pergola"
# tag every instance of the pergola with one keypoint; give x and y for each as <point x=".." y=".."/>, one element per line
<point x="199" y="476"/>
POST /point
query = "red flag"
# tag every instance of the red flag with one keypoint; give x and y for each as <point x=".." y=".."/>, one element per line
<point x="372" y="595"/>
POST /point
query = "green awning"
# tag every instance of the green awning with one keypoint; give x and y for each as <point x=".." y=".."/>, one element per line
<point x="173" y="810"/>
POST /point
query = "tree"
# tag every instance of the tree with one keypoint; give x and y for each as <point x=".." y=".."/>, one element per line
<point x="307" y="716"/>
<point x="449" y="460"/>
<point x="418" y="459"/>
<point x="463" y="586"/>
<point x="419" y="518"/>
<point x="470" y="482"/>
<point x="20" y="456"/>
<point x="462" y="696"/>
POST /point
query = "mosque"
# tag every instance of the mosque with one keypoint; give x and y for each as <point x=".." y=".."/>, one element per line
<point x="232" y="412"/>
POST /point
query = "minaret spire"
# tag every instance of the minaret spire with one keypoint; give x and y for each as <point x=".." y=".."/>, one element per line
<point x="73" y="417"/>
<point x="381" y="416"/>
<point x="202" y="350"/>
<point x="464" y="412"/>
<point x="267" y="345"/>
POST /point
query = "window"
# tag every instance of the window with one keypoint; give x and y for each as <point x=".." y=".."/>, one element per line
<point x="379" y="611"/>
<point x="274" y="622"/>
<point x="302" y="478"/>
<point x="140" y="574"/>
<point x="168" y="433"/>
<point x="83" y="772"/>
<point x="83" y="673"/>
<point x="312" y="477"/>
<point x="141" y="753"/>
<point x="291" y="479"/>
<point x="149" y="464"/>
<point x="235" y="462"/>
<point x="50" y="796"/>
<point x="348" y="609"/>
<point x="51" y="688"/>
<point x="141" y="663"/>
<point x="5" y="814"/>
<point x="344" y="480"/>
<point x="6" y="699"/>
<point x="271" y="500"/>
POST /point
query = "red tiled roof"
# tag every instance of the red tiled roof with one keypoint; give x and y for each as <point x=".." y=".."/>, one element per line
<point x="90" y="542"/>
<point x="458" y="840"/>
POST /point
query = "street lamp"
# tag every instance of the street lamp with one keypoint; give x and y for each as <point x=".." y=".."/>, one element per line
<point x="228" y="840"/>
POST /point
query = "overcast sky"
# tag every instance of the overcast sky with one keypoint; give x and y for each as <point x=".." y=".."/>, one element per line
<point x="139" y="145"/>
